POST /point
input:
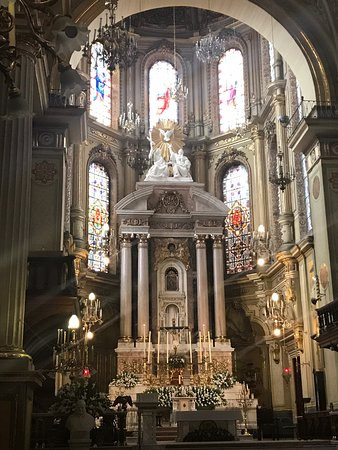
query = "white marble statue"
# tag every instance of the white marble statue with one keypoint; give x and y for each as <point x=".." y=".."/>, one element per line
<point x="176" y="169"/>
<point x="181" y="166"/>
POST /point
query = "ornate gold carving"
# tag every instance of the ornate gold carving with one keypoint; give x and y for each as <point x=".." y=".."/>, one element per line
<point x="171" y="202"/>
<point x="102" y="136"/>
<point x="175" y="248"/>
<point x="44" y="172"/>
<point x="130" y="365"/>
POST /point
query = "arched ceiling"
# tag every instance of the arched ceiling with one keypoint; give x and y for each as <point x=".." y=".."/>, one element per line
<point x="306" y="66"/>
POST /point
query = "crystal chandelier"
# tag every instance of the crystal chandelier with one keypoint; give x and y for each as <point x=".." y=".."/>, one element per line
<point x="210" y="48"/>
<point x="179" y="92"/>
<point x="129" y="121"/>
<point x="281" y="178"/>
<point x="118" y="44"/>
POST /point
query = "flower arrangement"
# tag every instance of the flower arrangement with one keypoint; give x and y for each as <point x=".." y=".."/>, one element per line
<point x="205" y="395"/>
<point x="208" y="396"/>
<point x="126" y="380"/>
<point x="176" y="362"/>
<point x="165" y="395"/>
<point x="223" y="380"/>
<point x="80" y="389"/>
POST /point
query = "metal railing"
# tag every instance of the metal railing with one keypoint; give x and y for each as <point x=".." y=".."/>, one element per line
<point x="311" y="109"/>
<point x="328" y="316"/>
<point x="57" y="100"/>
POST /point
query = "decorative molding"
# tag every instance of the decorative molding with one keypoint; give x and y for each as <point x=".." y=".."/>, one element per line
<point x="142" y="221"/>
<point x="100" y="136"/>
<point x="44" y="173"/>
<point x="156" y="225"/>
<point x="171" y="202"/>
<point x="229" y="156"/>
<point x="172" y="248"/>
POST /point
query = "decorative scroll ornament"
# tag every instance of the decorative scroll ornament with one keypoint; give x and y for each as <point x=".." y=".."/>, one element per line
<point x="171" y="202"/>
<point x="167" y="135"/>
<point x="172" y="248"/>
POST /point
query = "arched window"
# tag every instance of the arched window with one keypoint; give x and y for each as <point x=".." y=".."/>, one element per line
<point x="236" y="195"/>
<point x="171" y="279"/>
<point x="162" y="79"/>
<point x="231" y="90"/>
<point x="100" y="88"/>
<point x="98" y="217"/>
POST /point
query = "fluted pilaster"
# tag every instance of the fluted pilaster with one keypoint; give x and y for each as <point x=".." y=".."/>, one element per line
<point x="202" y="284"/>
<point x="143" y="288"/>
<point x="219" y="297"/>
<point x="126" y="289"/>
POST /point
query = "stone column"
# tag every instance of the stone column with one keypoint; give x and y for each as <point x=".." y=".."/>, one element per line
<point x="200" y="156"/>
<point x="143" y="288"/>
<point x="286" y="215"/>
<point x="202" y="284"/>
<point x="261" y="179"/>
<point x="17" y="377"/>
<point x="77" y="215"/>
<point x="126" y="289"/>
<point x="218" y="261"/>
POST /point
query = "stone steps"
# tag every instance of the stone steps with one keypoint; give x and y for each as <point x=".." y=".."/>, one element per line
<point x="166" y="434"/>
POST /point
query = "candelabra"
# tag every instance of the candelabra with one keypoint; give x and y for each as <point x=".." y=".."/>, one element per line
<point x="118" y="45"/>
<point x="129" y="121"/>
<point x="73" y="352"/>
<point x="275" y="313"/>
<point x="137" y="158"/>
<point x="281" y="178"/>
<point x="245" y="401"/>
<point x="260" y="245"/>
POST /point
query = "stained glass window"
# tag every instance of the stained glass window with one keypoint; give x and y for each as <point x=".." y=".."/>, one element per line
<point x="231" y="90"/>
<point x="162" y="79"/>
<point x="100" y="88"/>
<point x="98" y="218"/>
<point x="236" y="195"/>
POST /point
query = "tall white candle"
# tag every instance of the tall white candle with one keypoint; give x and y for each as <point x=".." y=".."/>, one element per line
<point x="158" y="346"/>
<point x="167" y="347"/>
<point x="149" y="346"/>
<point x="144" y="341"/>
<point x="190" y="347"/>
<point x="209" y="343"/>
<point x="200" y="346"/>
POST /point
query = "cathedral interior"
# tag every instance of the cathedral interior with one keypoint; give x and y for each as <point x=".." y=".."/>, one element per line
<point x="189" y="181"/>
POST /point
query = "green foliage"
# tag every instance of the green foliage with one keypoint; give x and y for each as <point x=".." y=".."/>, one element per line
<point x="80" y="389"/>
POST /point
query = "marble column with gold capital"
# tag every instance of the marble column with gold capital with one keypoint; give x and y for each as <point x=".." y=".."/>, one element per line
<point x="17" y="375"/>
<point x="219" y="296"/>
<point x="202" y="284"/>
<point x="126" y="289"/>
<point x="143" y="288"/>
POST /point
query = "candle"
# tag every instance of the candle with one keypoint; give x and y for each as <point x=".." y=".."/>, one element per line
<point x="190" y="348"/>
<point x="144" y="341"/>
<point x="167" y="347"/>
<point x="200" y="346"/>
<point x="149" y="346"/>
<point x="209" y="343"/>
<point x="158" y="346"/>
